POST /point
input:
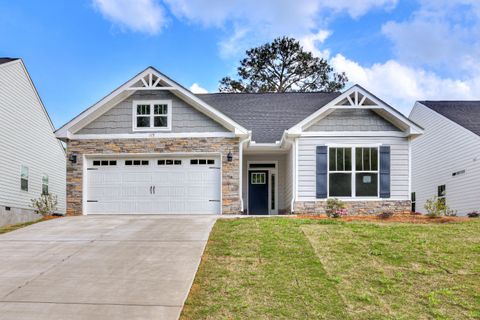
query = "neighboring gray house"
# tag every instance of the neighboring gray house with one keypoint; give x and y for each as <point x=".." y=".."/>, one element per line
<point x="32" y="160"/>
<point x="446" y="159"/>
<point x="152" y="146"/>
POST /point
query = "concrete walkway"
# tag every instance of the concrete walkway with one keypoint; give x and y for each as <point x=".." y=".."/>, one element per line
<point x="101" y="267"/>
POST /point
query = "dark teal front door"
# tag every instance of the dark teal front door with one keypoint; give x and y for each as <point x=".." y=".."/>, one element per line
<point x="258" y="192"/>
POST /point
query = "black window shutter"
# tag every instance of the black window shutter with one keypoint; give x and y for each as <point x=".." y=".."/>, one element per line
<point x="385" y="172"/>
<point x="322" y="157"/>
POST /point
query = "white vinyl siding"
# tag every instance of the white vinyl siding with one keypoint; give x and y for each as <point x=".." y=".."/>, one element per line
<point x="444" y="149"/>
<point x="26" y="138"/>
<point x="307" y="162"/>
<point x="184" y="118"/>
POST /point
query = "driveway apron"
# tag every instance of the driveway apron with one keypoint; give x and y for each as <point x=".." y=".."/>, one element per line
<point x="101" y="267"/>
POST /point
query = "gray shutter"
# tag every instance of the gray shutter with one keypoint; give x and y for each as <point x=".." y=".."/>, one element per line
<point x="384" y="171"/>
<point x="322" y="161"/>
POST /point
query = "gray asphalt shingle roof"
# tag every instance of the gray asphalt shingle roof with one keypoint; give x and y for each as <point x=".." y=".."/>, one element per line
<point x="268" y="115"/>
<point x="464" y="113"/>
<point x="5" y="60"/>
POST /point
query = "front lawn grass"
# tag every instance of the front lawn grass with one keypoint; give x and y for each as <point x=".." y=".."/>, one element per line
<point x="271" y="268"/>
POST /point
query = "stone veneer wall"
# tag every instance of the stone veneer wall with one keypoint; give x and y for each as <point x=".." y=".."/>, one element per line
<point x="355" y="207"/>
<point x="230" y="170"/>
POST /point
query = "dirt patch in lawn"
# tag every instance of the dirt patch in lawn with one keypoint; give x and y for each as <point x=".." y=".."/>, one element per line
<point x="399" y="217"/>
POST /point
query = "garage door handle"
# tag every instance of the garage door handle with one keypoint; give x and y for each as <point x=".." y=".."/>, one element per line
<point x="153" y="189"/>
<point x="150" y="189"/>
<point x="214" y="200"/>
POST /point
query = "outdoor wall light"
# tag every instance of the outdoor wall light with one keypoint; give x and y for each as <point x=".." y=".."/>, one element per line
<point x="229" y="157"/>
<point x="73" y="158"/>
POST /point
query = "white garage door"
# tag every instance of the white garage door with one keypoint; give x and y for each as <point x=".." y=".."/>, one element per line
<point x="161" y="185"/>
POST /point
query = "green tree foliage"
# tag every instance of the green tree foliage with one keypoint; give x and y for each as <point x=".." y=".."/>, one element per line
<point x="282" y="66"/>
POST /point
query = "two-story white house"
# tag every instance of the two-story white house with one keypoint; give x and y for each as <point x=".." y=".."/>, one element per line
<point x="446" y="158"/>
<point x="32" y="160"/>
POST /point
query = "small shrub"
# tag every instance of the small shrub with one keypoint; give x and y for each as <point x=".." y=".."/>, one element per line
<point x="336" y="208"/>
<point x="437" y="207"/>
<point x="473" y="214"/>
<point x="45" y="205"/>
<point x="386" y="215"/>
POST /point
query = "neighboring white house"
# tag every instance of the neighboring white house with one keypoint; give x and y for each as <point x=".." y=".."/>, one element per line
<point x="32" y="160"/>
<point x="446" y="158"/>
<point x="152" y="146"/>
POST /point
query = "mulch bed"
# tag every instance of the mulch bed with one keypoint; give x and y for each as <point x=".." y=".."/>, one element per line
<point x="50" y="217"/>
<point x="399" y="217"/>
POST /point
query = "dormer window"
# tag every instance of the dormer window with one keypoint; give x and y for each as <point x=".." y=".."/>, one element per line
<point x="152" y="115"/>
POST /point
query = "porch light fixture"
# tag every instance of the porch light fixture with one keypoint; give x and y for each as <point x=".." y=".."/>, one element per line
<point x="229" y="156"/>
<point x="73" y="158"/>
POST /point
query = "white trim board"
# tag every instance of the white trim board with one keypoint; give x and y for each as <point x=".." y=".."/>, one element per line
<point x="152" y="135"/>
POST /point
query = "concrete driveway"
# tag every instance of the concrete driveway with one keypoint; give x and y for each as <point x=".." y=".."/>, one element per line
<point x="101" y="267"/>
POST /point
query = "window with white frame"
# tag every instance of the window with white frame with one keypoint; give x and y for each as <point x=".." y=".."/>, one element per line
<point x="346" y="179"/>
<point x="152" y="115"/>
<point x="45" y="184"/>
<point x="442" y="194"/>
<point x="340" y="172"/>
<point x="24" y="178"/>
<point x="366" y="172"/>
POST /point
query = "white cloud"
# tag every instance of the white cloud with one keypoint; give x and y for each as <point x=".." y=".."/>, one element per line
<point x="441" y="34"/>
<point x="137" y="15"/>
<point x="254" y="21"/>
<point x="360" y="7"/>
<point x="310" y="42"/>
<point x="401" y="85"/>
<point x="196" y="88"/>
<point x="230" y="46"/>
<point x="246" y="23"/>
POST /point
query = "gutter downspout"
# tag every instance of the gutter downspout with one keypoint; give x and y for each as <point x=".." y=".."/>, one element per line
<point x="240" y="180"/>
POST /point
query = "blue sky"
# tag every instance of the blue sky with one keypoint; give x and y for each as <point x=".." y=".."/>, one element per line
<point x="79" y="51"/>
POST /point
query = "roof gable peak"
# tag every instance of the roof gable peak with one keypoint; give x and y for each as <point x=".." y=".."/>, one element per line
<point x="356" y="97"/>
<point x="148" y="79"/>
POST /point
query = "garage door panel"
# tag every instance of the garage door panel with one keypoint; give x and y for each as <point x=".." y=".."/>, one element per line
<point x="143" y="206"/>
<point x="112" y="192"/>
<point x="178" y="189"/>
<point x="140" y="176"/>
<point x="162" y="192"/>
<point x="95" y="178"/>
<point x="112" y="177"/>
<point x="176" y="206"/>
